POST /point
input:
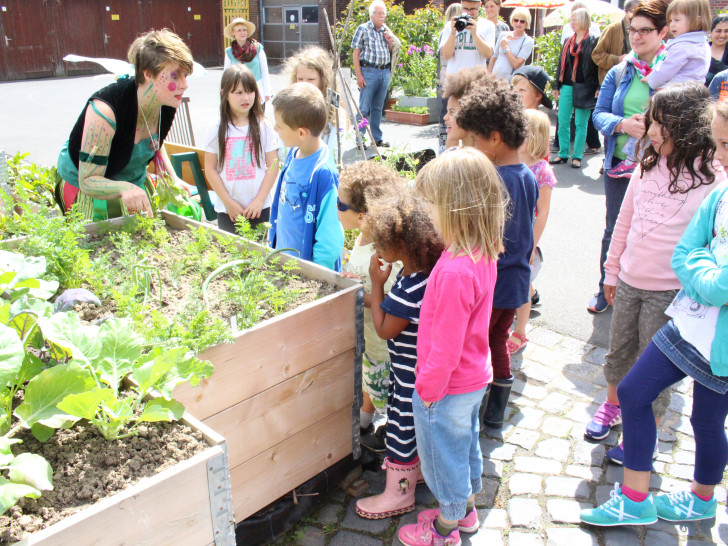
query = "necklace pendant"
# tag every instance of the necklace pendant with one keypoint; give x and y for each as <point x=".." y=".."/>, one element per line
<point x="153" y="144"/>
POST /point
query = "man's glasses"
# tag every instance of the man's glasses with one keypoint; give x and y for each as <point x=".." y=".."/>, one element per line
<point x="641" y="31"/>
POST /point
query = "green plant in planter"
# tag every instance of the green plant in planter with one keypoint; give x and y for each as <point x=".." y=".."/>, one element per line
<point x="34" y="182"/>
<point x="411" y="109"/>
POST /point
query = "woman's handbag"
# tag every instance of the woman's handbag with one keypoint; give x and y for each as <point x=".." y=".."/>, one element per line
<point x="584" y="96"/>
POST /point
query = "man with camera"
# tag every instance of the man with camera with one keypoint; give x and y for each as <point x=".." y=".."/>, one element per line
<point x="467" y="41"/>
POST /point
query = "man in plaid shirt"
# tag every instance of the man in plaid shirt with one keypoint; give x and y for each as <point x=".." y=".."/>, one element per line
<point x="372" y="45"/>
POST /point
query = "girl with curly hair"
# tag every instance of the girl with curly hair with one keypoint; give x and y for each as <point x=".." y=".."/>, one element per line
<point x="675" y="174"/>
<point x="453" y="368"/>
<point x="402" y="231"/>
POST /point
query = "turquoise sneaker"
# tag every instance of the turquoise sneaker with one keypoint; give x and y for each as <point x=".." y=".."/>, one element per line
<point x="684" y="506"/>
<point x="619" y="510"/>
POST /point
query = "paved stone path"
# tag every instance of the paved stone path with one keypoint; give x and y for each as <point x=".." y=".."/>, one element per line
<point x="539" y="472"/>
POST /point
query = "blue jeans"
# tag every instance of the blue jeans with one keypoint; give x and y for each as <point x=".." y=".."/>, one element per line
<point x="614" y="190"/>
<point x="653" y="372"/>
<point x="447" y="441"/>
<point x="371" y="98"/>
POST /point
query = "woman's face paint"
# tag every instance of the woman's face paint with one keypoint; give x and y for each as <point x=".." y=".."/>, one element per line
<point x="170" y="85"/>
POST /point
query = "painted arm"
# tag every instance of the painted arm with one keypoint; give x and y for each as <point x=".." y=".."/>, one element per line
<point x="98" y="131"/>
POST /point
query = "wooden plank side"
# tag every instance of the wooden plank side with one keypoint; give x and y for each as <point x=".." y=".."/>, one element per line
<point x="280" y="412"/>
<point x="270" y="475"/>
<point x="272" y="352"/>
<point x="152" y="512"/>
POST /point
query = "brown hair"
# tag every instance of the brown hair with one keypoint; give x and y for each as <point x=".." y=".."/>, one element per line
<point x="654" y="10"/>
<point x="234" y="76"/>
<point x="153" y="49"/>
<point x="696" y="11"/>
<point x="302" y="105"/>
<point x="398" y="221"/>
<point x="366" y="181"/>
<point x="456" y="85"/>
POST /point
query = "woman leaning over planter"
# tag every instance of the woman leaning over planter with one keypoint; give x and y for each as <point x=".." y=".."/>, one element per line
<point x="619" y="113"/>
<point x="576" y="87"/>
<point x="103" y="164"/>
<point x="512" y="49"/>
<point x="248" y="51"/>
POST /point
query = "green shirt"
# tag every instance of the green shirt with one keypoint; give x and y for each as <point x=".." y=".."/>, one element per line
<point x="635" y="102"/>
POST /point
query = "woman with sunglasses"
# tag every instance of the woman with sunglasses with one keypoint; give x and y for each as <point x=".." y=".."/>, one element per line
<point x="619" y="112"/>
<point x="514" y="48"/>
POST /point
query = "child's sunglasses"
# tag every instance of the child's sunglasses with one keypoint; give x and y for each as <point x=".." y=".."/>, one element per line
<point x="343" y="207"/>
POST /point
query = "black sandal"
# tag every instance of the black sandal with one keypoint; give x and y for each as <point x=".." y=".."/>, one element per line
<point x="576" y="163"/>
<point x="558" y="160"/>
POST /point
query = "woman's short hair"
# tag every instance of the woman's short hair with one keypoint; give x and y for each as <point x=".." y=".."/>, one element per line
<point x="697" y="13"/>
<point x="376" y="4"/>
<point x="524" y="13"/>
<point x="654" y="10"/>
<point x="453" y="10"/>
<point x="582" y="18"/>
<point x="153" y="49"/>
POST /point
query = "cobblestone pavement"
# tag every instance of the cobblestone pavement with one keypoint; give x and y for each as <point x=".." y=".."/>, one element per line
<point x="539" y="471"/>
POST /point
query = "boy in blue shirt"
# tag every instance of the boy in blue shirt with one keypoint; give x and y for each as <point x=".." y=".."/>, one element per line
<point x="303" y="214"/>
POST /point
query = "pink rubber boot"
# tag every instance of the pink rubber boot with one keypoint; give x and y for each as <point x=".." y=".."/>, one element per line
<point x="399" y="493"/>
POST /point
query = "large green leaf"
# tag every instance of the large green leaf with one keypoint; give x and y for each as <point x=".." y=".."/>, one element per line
<point x="120" y="347"/>
<point x="43" y="433"/>
<point x="28" y="303"/>
<point x="164" y="370"/>
<point x="33" y="470"/>
<point x="38" y="287"/>
<point x="4" y="311"/>
<point x="27" y="267"/>
<point x="58" y="330"/>
<point x="161" y="409"/>
<point x="32" y="366"/>
<point x="12" y="354"/>
<point x="84" y="405"/>
<point x="47" y="389"/>
<point x="23" y="323"/>
<point x="10" y="493"/>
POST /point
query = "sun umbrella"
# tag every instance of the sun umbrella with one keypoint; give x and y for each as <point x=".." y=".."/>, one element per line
<point x="534" y="4"/>
<point x="562" y="15"/>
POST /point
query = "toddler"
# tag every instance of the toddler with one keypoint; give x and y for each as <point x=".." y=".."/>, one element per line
<point x="401" y="231"/>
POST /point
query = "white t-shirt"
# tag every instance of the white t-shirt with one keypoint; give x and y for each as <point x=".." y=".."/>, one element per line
<point x="521" y="48"/>
<point x="240" y="174"/>
<point x="466" y="54"/>
<point x="697" y="322"/>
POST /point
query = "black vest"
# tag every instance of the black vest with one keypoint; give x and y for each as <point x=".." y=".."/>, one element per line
<point x="121" y="96"/>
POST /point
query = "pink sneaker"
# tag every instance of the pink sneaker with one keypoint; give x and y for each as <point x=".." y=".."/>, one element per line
<point x="469" y="524"/>
<point x="424" y="534"/>
<point x="607" y="416"/>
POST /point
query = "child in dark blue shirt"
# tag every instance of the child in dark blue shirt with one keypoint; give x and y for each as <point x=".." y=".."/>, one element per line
<point x="494" y="117"/>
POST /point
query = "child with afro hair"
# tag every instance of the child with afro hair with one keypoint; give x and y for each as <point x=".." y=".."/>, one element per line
<point x="493" y="116"/>
<point x="402" y="232"/>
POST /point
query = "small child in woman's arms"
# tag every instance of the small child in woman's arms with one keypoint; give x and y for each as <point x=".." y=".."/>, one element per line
<point x="687" y="55"/>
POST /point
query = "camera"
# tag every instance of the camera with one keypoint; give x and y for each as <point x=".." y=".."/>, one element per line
<point x="462" y="21"/>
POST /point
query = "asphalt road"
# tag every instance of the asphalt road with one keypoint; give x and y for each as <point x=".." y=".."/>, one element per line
<point x="36" y="116"/>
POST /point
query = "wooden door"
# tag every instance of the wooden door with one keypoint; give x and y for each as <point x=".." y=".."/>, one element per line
<point x="158" y="14"/>
<point x="121" y="24"/>
<point x="87" y="39"/>
<point x="27" y="39"/>
<point x="203" y="27"/>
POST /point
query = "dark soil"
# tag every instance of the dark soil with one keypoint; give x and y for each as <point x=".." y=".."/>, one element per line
<point x="86" y="468"/>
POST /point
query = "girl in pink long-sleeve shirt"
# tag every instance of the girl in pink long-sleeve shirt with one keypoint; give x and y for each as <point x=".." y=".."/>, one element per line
<point x="674" y="176"/>
<point x="466" y="207"/>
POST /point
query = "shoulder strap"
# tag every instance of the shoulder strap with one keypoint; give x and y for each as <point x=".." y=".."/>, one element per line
<point x="620" y="74"/>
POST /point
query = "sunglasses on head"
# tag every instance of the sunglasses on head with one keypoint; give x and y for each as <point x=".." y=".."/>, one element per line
<point x="343" y="207"/>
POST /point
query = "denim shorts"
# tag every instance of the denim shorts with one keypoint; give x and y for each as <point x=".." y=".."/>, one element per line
<point x="688" y="358"/>
<point x="449" y="448"/>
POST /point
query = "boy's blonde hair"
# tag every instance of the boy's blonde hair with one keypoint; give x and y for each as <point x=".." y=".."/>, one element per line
<point x="696" y="11"/>
<point x="302" y="105"/>
<point x="538" y="133"/>
<point x="524" y="13"/>
<point x="366" y="181"/>
<point x="153" y="49"/>
<point x="466" y="190"/>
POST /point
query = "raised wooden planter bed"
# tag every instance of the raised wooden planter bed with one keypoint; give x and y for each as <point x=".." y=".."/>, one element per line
<point x="407" y="117"/>
<point x="189" y="503"/>
<point x="286" y="393"/>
